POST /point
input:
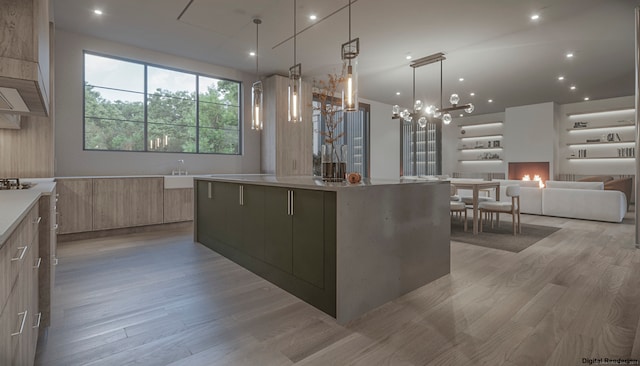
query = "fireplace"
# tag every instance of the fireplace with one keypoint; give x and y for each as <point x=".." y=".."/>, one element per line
<point x="519" y="171"/>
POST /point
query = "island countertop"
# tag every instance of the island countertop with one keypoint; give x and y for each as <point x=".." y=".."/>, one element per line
<point x="309" y="182"/>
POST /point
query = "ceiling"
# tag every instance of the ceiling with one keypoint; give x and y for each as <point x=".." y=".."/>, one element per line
<point x="493" y="44"/>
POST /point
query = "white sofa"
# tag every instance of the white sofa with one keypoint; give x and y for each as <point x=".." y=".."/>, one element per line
<point x="578" y="200"/>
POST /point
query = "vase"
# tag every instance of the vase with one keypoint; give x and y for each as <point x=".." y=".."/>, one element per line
<point x="334" y="162"/>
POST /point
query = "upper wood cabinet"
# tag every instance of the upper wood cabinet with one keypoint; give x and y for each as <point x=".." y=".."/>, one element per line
<point x="25" y="56"/>
<point x="286" y="147"/>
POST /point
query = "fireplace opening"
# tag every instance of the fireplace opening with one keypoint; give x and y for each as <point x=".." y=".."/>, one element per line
<point x="538" y="171"/>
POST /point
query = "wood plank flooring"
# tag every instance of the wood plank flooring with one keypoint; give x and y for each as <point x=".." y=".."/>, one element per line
<point x="159" y="299"/>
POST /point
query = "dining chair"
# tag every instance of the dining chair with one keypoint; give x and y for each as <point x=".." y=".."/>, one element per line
<point x="457" y="209"/>
<point x="512" y="208"/>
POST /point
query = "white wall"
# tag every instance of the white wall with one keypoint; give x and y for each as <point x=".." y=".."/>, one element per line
<point x="385" y="141"/>
<point x="72" y="160"/>
<point x="529" y="134"/>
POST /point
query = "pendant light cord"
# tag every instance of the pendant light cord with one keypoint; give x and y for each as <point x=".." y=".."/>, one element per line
<point x="257" y="21"/>
<point x="294" y="32"/>
<point x="441" y="84"/>
<point x="414" y="90"/>
<point x="349" y="20"/>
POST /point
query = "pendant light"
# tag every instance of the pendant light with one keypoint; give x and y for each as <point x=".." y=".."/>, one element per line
<point x="257" y="109"/>
<point x="295" y="80"/>
<point x="350" y="52"/>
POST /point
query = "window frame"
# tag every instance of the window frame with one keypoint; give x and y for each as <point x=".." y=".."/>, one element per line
<point x="145" y="66"/>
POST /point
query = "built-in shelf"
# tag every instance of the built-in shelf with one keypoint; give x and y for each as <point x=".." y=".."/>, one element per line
<point x="607" y="127"/>
<point x="601" y="143"/>
<point x="478" y="160"/>
<point x="603" y="158"/>
<point x="479" y="148"/>
<point x="497" y="136"/>
<point x="483" y="124"/>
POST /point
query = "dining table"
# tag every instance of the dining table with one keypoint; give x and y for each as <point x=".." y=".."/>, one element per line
<point x="476" y="186"/>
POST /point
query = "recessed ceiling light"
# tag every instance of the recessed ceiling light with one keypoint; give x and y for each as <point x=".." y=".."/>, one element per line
<point x="570" y="55"/>
<point x="490" y="100"/>
<point x="397" y="93"/>
<point x="461" y="79"/>
<point x="472" y="94"/>
<point x="535" y="17"/>
<point x="252" y="53"/>
<point x="461" y="115"/>
<point x="560" y="78"/>
<point x="586" y="98"/>
<point x="408" y="57"/>
<point x="313" y="17"/>
<point x="573" y="87"/>
<point x="97" y="11"/>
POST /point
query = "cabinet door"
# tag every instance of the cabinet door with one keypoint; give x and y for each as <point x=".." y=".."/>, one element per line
<point x="208" y="224"/>
<point x="126" y="202"/>
<point x="308" y="236"/>
<point x="178" y="205"/>
<point x="277" y="230"/>
<point x="252" y="221"/>
<point x="75" y="205"/>
<point x="228" y="213"/>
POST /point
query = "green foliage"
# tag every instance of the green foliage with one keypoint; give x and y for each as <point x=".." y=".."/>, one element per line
<point x="172" y="117"/>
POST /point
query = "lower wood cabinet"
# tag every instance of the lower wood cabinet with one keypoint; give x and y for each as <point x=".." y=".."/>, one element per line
<point x="19" y="310"/>
<point x="178" y="205"/>
<point x="119" y="203"/>
<point x="75" y="205"/>
<point x="286" y="235"/>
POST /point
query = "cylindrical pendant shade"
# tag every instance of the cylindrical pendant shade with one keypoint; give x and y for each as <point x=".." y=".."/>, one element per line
<point x="257" y="109"/>
<point x="295" y="88"/>
<point x="350" y="52"/>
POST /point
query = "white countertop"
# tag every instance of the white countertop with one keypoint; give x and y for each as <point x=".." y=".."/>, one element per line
<point x="14" y="206"/>
<point x="308" y="182"/>
<point x="42" y="185"/>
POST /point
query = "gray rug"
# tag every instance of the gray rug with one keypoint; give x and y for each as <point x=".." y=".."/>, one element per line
<point x="501" y="238"/>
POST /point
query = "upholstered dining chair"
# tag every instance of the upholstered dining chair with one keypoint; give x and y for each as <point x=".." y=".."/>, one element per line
<point x="512" y="208"/>
<point x="458" y="208"/>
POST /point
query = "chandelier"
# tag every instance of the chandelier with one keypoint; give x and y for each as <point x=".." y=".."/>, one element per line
<point x="421" y="113"/>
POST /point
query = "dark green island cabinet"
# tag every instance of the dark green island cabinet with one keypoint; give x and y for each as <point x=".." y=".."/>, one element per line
<point x="344" y="249"/>
<point x="285" y="235"/>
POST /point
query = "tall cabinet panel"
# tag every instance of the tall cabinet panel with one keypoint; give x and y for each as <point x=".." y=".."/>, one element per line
<point x="307" y="212"/>
<point x="286" y="148"/>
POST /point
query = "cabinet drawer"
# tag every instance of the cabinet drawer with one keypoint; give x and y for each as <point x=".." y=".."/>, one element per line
<point x="12" y="255"/>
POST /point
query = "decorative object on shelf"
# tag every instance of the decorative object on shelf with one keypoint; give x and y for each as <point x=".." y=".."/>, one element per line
<point x="580" y="124"/>
<point x="593" y="140"/>
<point x="333" y="157"/>
<point x="462" y="132"/>
<point x="354" y="178"/>
<point x="627" y="152"/>
<point x="422" y="114"/>
<point x="582" y="153"/>
<point x="496" y="143"/>
<point x="488" y="156"/>
<point x="350" y="51"/>
<point x="257" y="107"/>
<point x="295" y="80"/>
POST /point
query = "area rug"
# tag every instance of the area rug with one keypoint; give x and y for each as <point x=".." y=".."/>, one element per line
<point x="501" y="238"/>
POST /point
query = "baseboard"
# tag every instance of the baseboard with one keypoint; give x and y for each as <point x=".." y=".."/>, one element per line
<point x="123" y="231"/>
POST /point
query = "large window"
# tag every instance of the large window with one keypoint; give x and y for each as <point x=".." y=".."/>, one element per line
<point x="355" y="135"/>
<point x="133" y="106"/>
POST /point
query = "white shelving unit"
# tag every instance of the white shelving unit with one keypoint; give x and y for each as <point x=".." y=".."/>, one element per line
<point x="481" y="142"/>
<point x="608" y="135"/>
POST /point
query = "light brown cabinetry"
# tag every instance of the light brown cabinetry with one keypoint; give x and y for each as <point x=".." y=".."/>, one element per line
<point x="286" y="148"/>
<point x="127" y="202"/>
<point x="24" y="51"/>
<point x="47" y="248"/>
<point x="75" y="205"/>
<point x="178" y="205"/>
<point x="19" y="314"/>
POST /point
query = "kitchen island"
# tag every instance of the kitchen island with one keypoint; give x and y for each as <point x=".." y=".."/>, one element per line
<point x="344" y="248"/>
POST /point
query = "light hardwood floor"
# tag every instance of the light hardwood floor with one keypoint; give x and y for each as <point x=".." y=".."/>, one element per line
<point x="159" y="299"/>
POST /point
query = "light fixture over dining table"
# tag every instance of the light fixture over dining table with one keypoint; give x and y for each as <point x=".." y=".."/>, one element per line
<point x="422" y="113"/>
